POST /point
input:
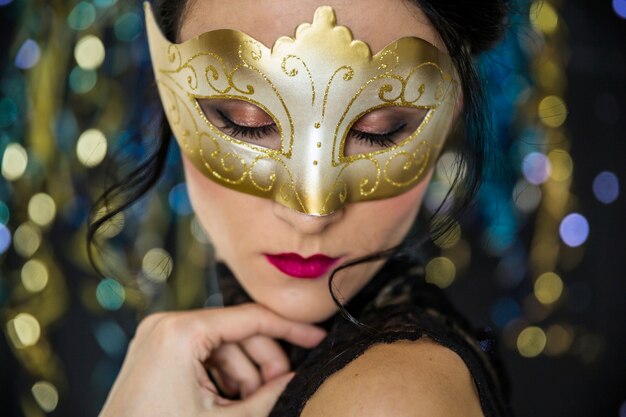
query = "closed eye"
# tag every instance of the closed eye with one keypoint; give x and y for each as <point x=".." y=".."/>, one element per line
<point x="382" y="128"/>
<point x="243" y="121"/>
<point x="383" y="140"/>
<point x="251" y="132"/>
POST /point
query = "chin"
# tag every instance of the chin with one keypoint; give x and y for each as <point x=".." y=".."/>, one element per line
<point x="296" y="300"/>
<point x="299" y="310"/>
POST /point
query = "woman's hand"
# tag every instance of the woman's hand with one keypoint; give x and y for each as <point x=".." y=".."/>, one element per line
<point x="242" y="368"/>
<point x="164" y="373"/>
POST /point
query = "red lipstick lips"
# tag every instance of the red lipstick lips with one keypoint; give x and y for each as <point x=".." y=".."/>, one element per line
<point x="296" y="266"/>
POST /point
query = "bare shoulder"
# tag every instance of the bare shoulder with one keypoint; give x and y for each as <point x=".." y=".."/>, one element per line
<point x="404" y="378"/>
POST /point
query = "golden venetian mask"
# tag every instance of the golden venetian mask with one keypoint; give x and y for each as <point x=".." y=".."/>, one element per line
<point x="314" y="87"/>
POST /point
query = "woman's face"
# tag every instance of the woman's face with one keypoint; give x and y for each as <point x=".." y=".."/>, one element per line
<point x="257" y="237"/>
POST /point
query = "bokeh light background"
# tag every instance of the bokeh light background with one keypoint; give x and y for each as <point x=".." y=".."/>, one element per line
<point x="540" y="258"/>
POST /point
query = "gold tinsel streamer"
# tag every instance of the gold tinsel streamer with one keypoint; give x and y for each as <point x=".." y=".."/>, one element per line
<point x="45" y="85"/>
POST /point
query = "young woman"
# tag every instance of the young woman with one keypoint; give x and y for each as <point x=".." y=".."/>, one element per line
<point x="306" y="159"/>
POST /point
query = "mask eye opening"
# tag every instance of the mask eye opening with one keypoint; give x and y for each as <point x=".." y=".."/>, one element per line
<point x="242" y="121"/>
<point x="379" y="129"/>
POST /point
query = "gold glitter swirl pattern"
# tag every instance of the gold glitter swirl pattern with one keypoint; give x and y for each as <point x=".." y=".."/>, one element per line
<point x="211" y="74"/>
<point x="418" y="160"/>
<point x="173" y="53"/>
<point x="261" y="173"/>
<point x="388" y="61"/>
<point x="347" y="76"/>
<point x="340" y="190"/>
<point x="294" y="72"/>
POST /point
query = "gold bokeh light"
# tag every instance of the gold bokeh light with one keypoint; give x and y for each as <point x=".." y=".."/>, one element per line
<point x="46" y="395"/>
<point x="552" y="111"/>
<point x="34" y="275"/>
<point x="91" y="147"/>
<point x="531" y="342"/>
<point x="548" y="288"/>
<point x="544" y="17"/>
<point x="14" y="162"/>
<point x="27" y="239"/>
<point x="562" y="165"/>
<point x="441" y="272"/>
<point x="560" y="339"/>
<point x="157" y="264"/>
<point x="42" y="209"/>
<point x="89" y="52"/>
<point x="24" y="330"/>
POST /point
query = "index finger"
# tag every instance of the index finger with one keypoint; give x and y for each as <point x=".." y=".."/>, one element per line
<point x="234" y="324"/>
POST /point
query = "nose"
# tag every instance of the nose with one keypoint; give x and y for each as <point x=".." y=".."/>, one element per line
<point x="308" y="224"/>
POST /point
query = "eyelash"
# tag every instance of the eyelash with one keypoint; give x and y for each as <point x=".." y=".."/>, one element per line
<point x="234" y="129"/>
<point x="379" y="139"/>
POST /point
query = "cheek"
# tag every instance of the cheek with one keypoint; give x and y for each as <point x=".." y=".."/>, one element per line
<point x="230" y="218"/>
<point x="395" y="215"/>
<point x="212" y="203"/>
<point x="411" y="201"/>
<point x="202" y="191"/>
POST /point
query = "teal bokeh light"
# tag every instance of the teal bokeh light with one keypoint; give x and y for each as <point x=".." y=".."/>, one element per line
<point x="110" y="294"/>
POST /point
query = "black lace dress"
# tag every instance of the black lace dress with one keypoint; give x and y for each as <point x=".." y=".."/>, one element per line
<point x="400" y="306"/>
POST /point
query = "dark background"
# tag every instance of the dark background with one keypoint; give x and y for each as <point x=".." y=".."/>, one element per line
<point x="596" y="96"/>
<point x="567" y="385"/>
